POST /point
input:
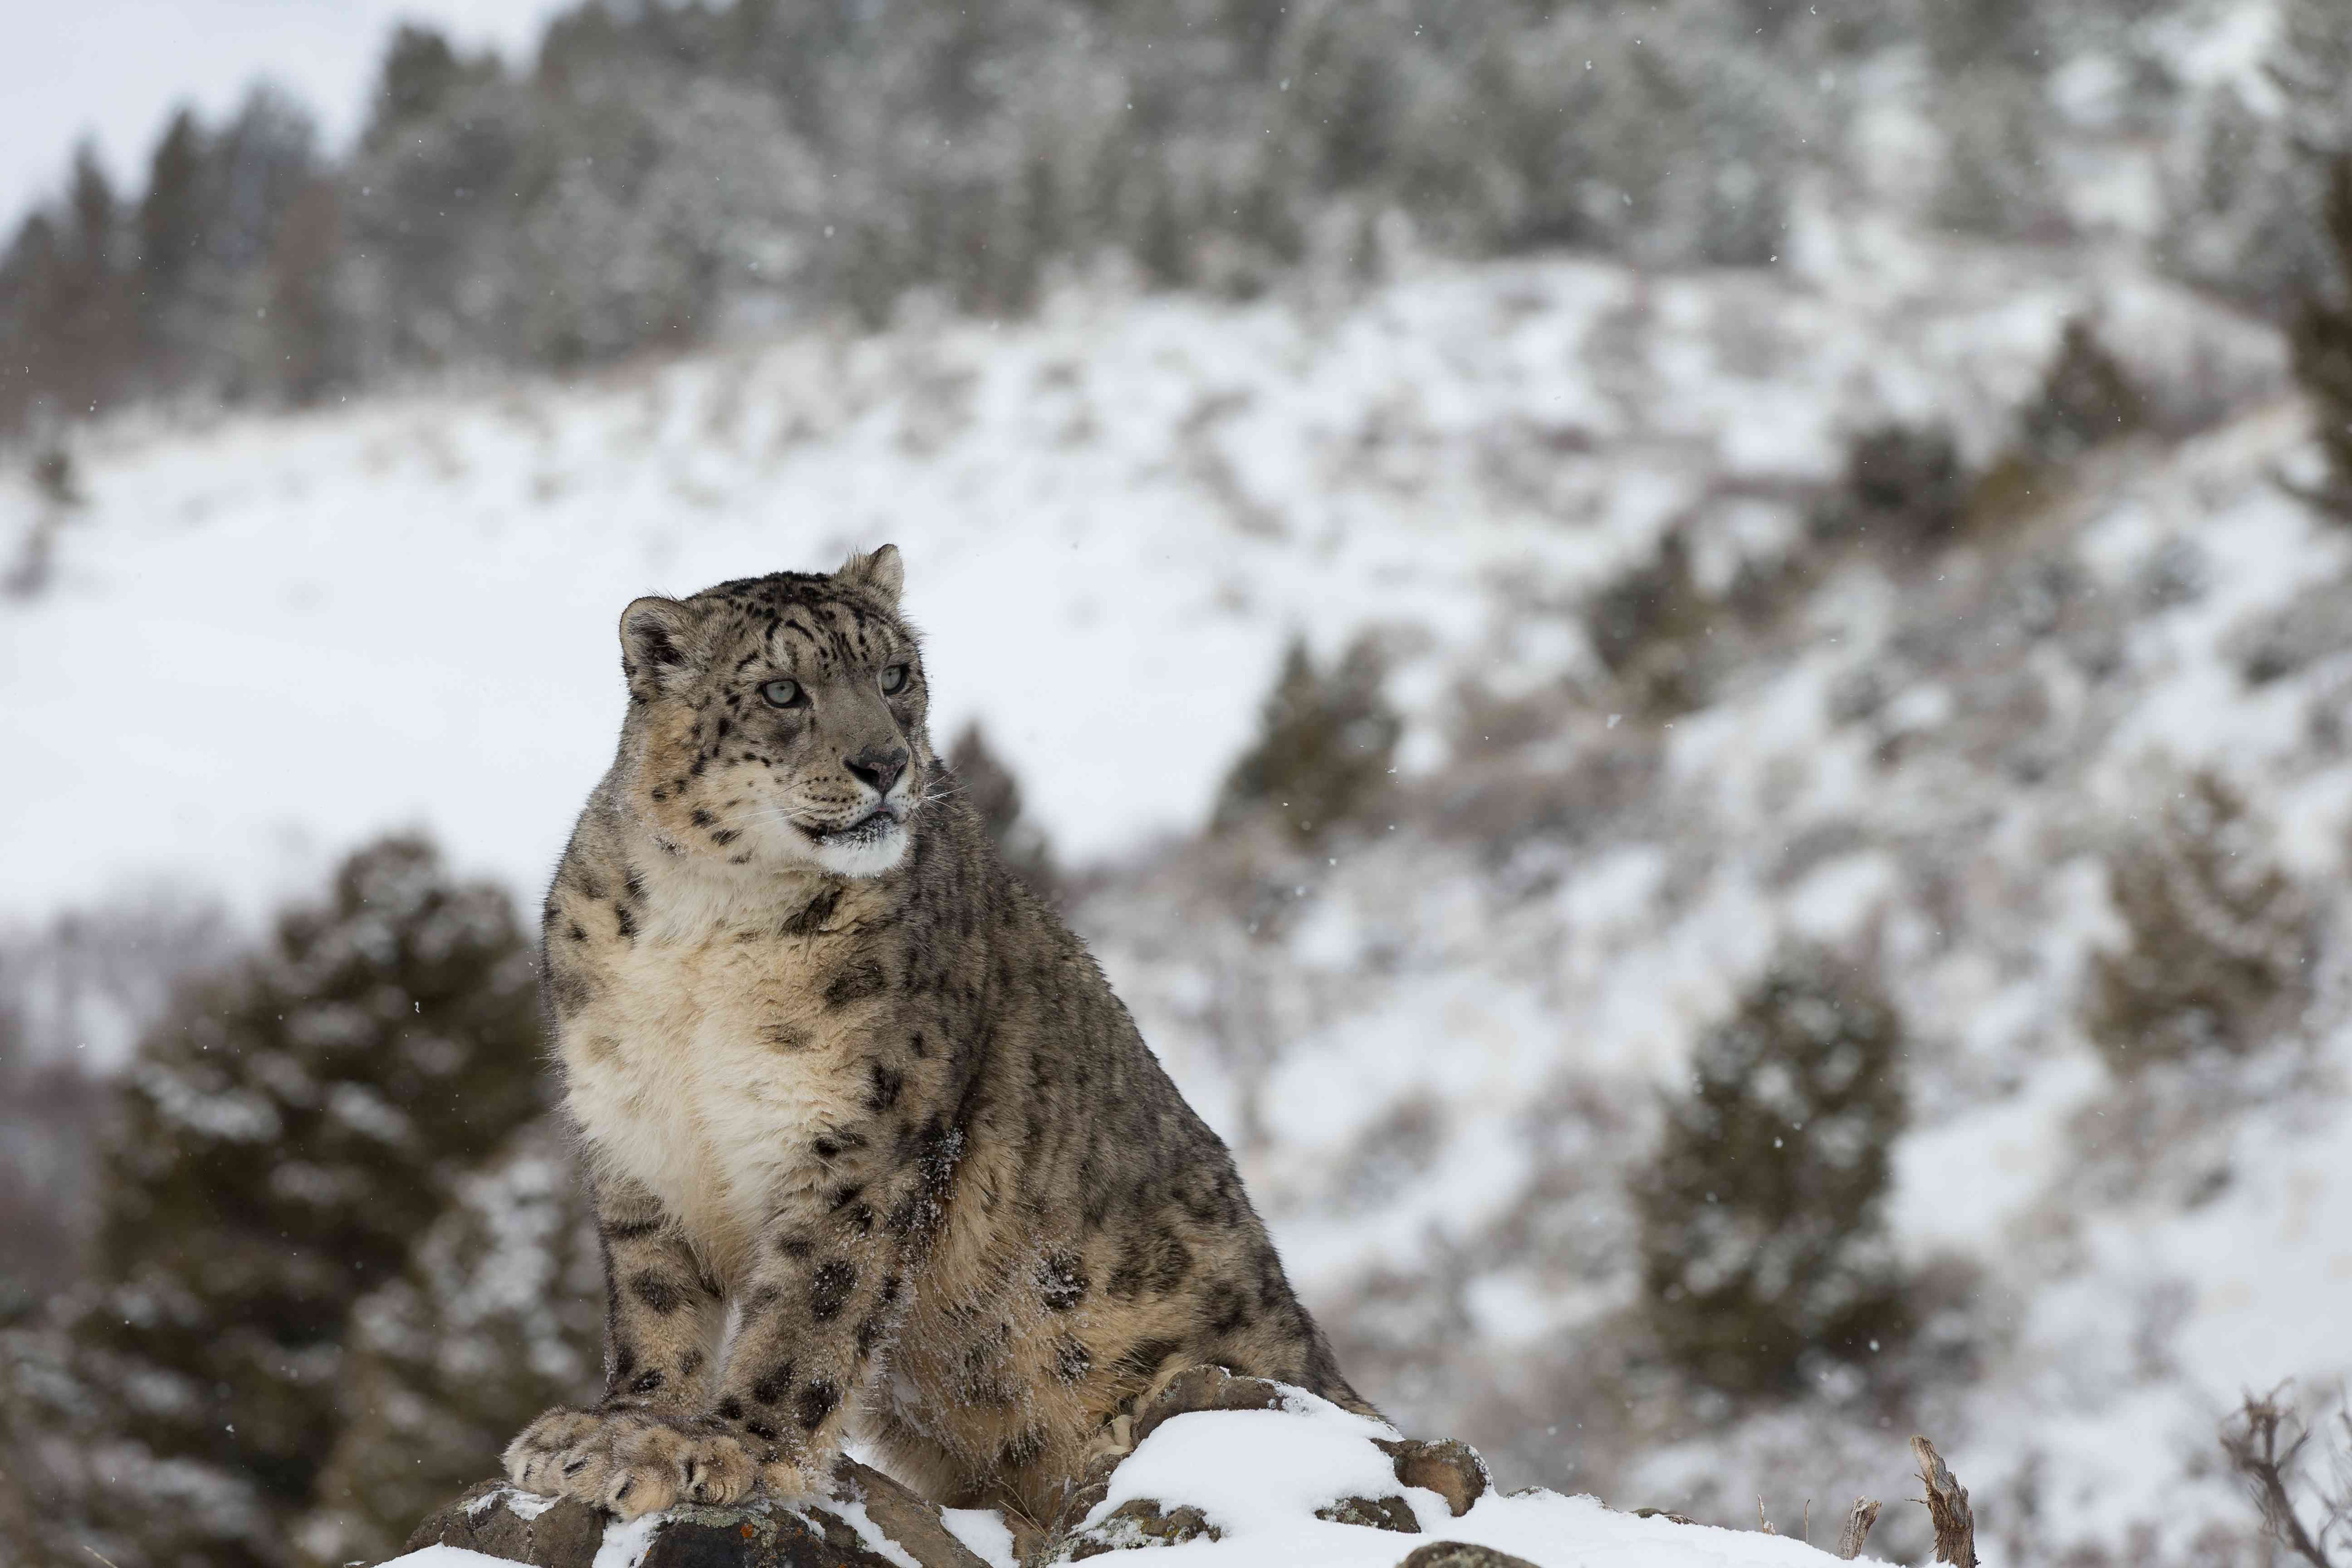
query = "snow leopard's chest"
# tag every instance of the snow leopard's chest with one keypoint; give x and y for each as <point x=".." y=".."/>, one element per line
<point x="708" y="1071"/>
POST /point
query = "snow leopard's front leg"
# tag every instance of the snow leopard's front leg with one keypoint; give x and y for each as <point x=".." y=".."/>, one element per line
<point x="832" y="1282"/>
<point x="645" y="1445"/>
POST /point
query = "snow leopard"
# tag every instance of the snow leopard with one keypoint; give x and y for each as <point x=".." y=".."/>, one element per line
<point x="854" y="1101"/>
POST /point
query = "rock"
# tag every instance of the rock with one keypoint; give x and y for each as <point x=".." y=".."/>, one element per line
<point x="1450" y="1467"/>
<point x="1206" y="1388"/>
<point x="1373" y="1514"/>
<point x="500" y="1521"/>
<point x="496" y="1520"/>
<point x="1461" y="1554"/>
<point x="911" y="1523"/>
<point x="1092" y="1487"/>
<point x="1138" y="1522"/>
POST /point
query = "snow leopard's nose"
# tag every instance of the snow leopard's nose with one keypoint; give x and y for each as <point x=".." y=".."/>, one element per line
<point x="878" y="766"/>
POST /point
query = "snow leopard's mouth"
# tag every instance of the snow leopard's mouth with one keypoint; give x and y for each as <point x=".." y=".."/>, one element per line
<point x="868" y="830"/>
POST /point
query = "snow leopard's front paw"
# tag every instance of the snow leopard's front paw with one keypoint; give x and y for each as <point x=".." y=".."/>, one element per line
<point x="559" y="1454"/>
<point x="627" y="1462"/>
<point x="799" y="1476"/>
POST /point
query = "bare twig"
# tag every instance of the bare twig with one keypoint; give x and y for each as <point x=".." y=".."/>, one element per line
<point x="1761" y="1522"/>
<point x="1947" y="1508"/>
<point x="2264" y="1441"/>
<point x="1856" y="1529"/>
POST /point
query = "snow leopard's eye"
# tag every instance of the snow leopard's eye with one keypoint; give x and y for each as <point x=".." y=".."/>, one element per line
<point x="783" y="693"/>
<point x="894" y="680"/>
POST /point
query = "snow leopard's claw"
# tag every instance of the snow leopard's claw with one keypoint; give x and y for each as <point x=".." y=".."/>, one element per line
<point x="716" y="1469"/>
<point x="559" y="1455"/>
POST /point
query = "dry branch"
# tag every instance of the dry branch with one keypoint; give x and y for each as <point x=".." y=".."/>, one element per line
<point x="2253" y="1443"/>
<point x="1947" y="1508"/>
<point x="1856" y="1529"/>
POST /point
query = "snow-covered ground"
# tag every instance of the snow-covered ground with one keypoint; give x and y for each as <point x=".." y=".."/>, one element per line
<point x="1258" y="1476"/>
<point x="266" y="637"/>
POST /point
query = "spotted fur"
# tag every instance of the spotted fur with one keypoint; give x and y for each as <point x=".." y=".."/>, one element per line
<point x="832" y="1064"/>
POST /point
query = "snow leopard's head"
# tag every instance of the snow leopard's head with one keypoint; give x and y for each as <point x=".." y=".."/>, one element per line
<point x="779" y="720"/>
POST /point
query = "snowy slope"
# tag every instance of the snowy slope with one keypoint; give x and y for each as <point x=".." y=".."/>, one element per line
<point x="267" y="637"/>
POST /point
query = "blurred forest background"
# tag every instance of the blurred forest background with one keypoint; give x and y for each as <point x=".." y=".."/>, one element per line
<point x="1787" y="884"/>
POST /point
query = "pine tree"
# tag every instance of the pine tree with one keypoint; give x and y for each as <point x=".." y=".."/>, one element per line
<point x="1905" y="489"/>
<point x="1764" y="1248"/>
<point x="284" y="1137"/>
<point x="420" y="73"/>
<point x="995" y="796"/>
<point x="2322" y="343"/>
<point x="2219" y="939"/>
<point x="2087" y="398"/>
<point x="172" y="217"/>
<point x="496" y="1315"/>
<point x="1651" y="628"/>
<point x="1325" y="747"/>
<point x="93" y="320"/>
<point x="305" y="328"/>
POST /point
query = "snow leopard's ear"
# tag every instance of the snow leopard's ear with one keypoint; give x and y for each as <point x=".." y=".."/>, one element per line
<point x="881" y="572"/>
<point x="661" y="646"/>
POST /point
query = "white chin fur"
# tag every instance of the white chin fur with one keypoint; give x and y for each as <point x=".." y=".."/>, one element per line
<point x="861" y="856"/>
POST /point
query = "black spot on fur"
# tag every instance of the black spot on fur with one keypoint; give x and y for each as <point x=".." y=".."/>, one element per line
<point x="761" y="1430"/>
<point x="702" y="818"/>
<point x="796" y="1246"/>
<point x="1062" y="1281"/>
<point x="784" y="1037"/>
<point x="1072" y="1360"/>
<point x="772" y="1387"/>
<point x="829" y="1289"/>
<point x="657" y="1293"/>
<point x="855" y="983"/>
<point x="725" y="836"/>
<point x="818" y="1401"/>
<point x="730" y="1410"/>
<point x="626" y="921"/>
<point x="1227" y="1309"/>
<point x="647" y="1381"/>
<point x="1174" y="1261"/>
<point x="883" y="1087"/>
<point x="813" y="915"/>
<point x="869" y="1334"/>
<point x="655" y="644"/>
<point x="575" y="933"/>
<point x="568" y="989"/>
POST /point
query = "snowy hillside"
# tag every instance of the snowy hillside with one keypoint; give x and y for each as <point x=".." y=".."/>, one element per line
<point x="1437" y="1054"/>
<point x="264" y="638"/>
